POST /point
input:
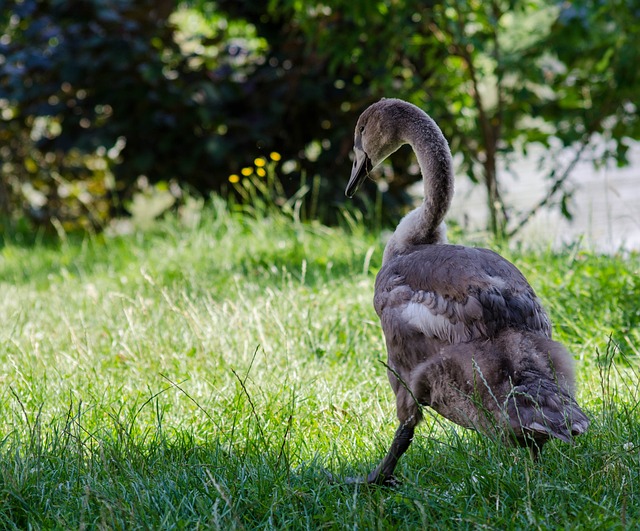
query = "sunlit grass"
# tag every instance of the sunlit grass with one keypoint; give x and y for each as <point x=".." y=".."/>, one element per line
<point x="209" y="374"/>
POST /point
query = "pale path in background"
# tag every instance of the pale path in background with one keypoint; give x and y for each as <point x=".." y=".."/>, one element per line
<point x="605" y="205"/>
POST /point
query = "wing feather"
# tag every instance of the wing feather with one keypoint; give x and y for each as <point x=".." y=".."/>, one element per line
<point x="457" y="294"/>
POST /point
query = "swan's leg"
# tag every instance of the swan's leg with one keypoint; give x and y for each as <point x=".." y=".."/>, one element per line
<point x="409" y="414"/>
<point x="383" y="474"/>
<point x="401" y="441"/>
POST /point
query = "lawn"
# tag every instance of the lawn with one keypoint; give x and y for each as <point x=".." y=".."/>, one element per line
<point x="212" y="370"/>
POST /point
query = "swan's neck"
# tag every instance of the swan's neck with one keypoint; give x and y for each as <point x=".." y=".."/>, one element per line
<point x="425" y="224"/>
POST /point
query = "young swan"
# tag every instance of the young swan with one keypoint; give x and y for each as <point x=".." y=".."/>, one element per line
<point x="465" y="333"/>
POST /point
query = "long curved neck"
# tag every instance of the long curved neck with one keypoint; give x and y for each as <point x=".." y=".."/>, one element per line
<point x="436" y="165"/>
<point x="425" y="224"/>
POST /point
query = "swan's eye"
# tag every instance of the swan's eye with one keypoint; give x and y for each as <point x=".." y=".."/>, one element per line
<point x="362" y="128"/>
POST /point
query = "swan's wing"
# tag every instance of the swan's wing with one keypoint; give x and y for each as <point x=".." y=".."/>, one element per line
<point x="456" y="294"/>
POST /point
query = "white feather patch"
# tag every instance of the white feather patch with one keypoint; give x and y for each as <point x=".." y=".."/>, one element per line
<point x="431" y="325"/>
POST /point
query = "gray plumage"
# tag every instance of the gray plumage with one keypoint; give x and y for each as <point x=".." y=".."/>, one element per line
<point x="465" y="333"/>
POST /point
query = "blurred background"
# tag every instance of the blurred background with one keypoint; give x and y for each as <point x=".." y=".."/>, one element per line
<point x="118" y="109"/>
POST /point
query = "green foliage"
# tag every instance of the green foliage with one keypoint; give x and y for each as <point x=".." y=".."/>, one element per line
<point x="93" y="92"/>
<point x="497" y="77"/>
<point x="598" y="45"/>
<point x="207" y="372"/>
<point x="186" y="96"/>
<point x="195" y="91"/>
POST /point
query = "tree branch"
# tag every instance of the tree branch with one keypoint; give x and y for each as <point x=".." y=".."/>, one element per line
<point x="557" y="185"/>
<point x="489" y="130"/>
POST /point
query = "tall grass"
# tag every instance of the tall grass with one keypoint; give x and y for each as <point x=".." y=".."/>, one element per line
<point x="210" y="374"/>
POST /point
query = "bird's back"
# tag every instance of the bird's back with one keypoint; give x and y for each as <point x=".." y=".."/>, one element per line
<point x="456" y="294"/>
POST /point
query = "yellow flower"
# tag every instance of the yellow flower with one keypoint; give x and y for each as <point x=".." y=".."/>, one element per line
<point x="275" y="156"/>
<point x="259" y="162"/>
<point x="233" y="178"/>
<point x="246" y="171"/>
<point x="261" y="172"/>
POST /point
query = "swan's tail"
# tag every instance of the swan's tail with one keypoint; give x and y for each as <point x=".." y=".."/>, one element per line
<point x="539" y="409"/>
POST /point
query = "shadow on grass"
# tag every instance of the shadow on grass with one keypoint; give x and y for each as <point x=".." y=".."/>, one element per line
<point x="246" y="473"/>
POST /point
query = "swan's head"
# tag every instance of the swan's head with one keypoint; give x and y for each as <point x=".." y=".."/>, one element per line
<point x="376" y="137"/>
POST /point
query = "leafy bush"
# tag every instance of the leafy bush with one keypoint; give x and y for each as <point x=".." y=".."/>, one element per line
<point x="114" y="81"/>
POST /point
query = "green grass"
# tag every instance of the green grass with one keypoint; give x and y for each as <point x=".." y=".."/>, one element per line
<point x="207" y="376"/>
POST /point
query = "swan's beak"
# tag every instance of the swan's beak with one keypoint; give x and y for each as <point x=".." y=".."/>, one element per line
<point x="359" y="172"/>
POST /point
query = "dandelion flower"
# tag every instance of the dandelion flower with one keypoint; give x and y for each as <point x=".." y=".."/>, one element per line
<point x="275" y="156"/>
<point x="246" y="171"/>
<point x="261" y="172"/>
<point x="233" y="178"/>
<point x="259" y="162"/>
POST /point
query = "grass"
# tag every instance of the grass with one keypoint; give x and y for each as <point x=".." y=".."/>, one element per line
<point x="207" y="375"/>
